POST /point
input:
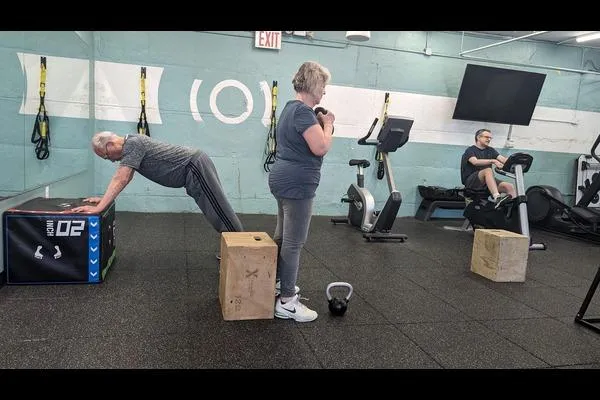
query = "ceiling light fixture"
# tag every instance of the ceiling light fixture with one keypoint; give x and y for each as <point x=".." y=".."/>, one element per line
<point x="358" y="36"/>
<point x="585" y="38"/>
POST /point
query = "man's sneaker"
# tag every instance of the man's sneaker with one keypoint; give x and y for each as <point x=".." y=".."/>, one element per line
<point x="295" y="310"/>
<point x="501" y="199"/>
<point x="278" y="289"/>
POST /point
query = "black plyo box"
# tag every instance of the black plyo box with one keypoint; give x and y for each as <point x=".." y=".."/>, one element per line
<point x="45" y="243"/>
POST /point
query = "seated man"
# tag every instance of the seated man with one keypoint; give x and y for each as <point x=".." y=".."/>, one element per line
<point x="476" y="169"/>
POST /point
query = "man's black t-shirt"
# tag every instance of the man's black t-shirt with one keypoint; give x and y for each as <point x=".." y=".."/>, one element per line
<point x="466" y="168"/>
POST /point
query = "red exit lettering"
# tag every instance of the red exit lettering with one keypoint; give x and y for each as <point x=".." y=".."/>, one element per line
<point x="268" y="39"/>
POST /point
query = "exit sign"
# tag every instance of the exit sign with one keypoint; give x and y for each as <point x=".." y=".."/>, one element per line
<point x="268" y="40"/>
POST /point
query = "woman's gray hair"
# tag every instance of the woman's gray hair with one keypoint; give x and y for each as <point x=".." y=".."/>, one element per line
<point x="100" y="139"/>
<point x="310" y="76"/>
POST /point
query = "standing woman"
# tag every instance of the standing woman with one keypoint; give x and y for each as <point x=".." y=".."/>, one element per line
<point x="303" y="138"/>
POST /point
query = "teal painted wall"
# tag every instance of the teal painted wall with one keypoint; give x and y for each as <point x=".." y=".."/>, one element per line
<point x="69" y="146"/>
<point x="390" y="61"/>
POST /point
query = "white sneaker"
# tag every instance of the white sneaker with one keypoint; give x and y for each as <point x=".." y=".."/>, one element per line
<point x="501" y="199"/>
<point x="278" y="289"/>
<point x="295" y="310"/>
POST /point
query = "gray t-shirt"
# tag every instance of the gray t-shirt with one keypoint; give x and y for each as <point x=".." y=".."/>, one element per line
<point x="160" y="162"/>
<point x="296" y="172"/>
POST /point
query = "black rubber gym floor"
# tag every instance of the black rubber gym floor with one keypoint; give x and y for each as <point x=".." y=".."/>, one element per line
<point x="415" y="305"/>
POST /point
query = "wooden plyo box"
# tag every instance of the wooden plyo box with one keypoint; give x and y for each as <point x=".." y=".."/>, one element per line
<point x="500" y="255"/>
<point x="247" y="275"/>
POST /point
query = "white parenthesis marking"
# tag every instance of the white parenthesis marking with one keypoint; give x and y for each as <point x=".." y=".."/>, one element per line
<point x="194" y="100"/>
<point x="266" y="90"/>
<point x="245" y="91"/>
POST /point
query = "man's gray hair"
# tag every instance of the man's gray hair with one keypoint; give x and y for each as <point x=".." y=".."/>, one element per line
<point x="100" y="139"/>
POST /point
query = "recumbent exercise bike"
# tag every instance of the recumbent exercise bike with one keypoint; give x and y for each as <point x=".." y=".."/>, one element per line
<point x="377" y="225"/>
<point x="481" y="212"/>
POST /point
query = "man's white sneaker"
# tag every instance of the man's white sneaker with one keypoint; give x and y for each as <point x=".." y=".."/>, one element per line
<point x="501" y="199"/>
<point x="278" y="289"/>
<point x="295" y="310"/>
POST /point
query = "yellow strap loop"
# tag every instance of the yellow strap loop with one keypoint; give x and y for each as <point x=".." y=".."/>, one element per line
<point x="43" y="78"/>
<point x="142" y="126"/>
<point x="143" y="86"/>
<point x="41" y="128"/>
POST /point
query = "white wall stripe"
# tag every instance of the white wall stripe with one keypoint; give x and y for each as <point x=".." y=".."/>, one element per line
<point x="551" y="129"/>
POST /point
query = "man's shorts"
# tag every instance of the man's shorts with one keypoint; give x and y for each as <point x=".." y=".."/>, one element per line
<point x="473" y="182"/>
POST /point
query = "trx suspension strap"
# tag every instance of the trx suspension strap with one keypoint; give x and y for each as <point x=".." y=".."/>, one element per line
<point x="142" y="126"/>
<point x="41" y="129"/>
<point x="271" y="137"/>
<point x="380" y="167"/>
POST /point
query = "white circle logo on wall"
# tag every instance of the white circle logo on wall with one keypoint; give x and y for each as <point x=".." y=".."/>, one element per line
<point x="213" y="101"/>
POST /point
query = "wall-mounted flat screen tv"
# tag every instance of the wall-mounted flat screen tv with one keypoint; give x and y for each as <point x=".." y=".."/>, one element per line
<point x="500" y="95"/>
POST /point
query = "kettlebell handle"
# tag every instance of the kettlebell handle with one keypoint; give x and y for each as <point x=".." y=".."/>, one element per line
<point x="335" y="284"/>
<point x="324" y="111"/>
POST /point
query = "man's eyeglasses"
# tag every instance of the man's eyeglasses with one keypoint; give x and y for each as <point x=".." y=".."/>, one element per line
<point x="486" y="137"/>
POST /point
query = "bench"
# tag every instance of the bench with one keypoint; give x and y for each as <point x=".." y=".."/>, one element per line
<point x="435" y="197"/>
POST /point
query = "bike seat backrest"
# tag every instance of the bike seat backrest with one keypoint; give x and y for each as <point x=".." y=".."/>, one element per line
<point x="362" y="163"/>
<point x="392" y="141"/>
<point x="394" y="134"/>
<point x="518" y="158"/>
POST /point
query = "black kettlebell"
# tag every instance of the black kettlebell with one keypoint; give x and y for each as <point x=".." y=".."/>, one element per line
<point x="337" y="306"/>
<point x="324" y="111"/>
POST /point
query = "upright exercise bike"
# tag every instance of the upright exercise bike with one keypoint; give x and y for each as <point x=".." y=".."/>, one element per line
<point x="377" y="225"/>
<point x="512" y="216"/>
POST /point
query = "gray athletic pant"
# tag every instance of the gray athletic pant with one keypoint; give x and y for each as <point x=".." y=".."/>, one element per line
<point x="203" y="184"/>
<point x="293" y="221"/>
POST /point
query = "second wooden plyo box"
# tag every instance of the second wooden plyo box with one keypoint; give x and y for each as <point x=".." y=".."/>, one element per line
<point x="500" y="255"/>
<point x="247" y="275"/>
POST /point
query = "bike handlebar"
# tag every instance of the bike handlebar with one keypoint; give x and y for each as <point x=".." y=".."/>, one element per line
<point x="593" y="151"/>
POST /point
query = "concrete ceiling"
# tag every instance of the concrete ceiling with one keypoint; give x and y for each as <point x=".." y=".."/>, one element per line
<point x="556" y="37"/>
